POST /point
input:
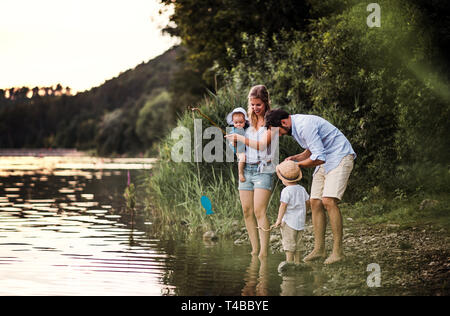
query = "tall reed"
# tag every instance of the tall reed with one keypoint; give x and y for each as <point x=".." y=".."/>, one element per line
<point x="175" y="189"/>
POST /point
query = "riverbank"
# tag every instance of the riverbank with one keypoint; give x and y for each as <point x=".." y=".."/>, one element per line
<point x="40" y="152"/>
<point x="413" y="255"/>
<point x="405" y="233"/>
<point x="407" y="237"/>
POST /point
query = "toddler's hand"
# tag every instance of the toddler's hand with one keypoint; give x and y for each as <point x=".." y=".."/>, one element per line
<point x="276" y="225"/>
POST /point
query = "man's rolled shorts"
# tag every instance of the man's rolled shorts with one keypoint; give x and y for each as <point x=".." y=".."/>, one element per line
<point x="334" y="183"/>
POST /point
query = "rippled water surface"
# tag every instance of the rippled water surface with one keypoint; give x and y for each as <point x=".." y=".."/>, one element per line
<point x="63" y="231"/>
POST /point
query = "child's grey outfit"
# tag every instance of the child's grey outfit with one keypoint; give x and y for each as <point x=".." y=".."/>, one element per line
<point x="240" y="147"/>
<point x="293" y="223"/>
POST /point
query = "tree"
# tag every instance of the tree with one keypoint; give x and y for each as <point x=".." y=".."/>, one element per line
<point x="209" y="29"/>
<point x="35" y="91"/>
<point x="153" y="120"/>
<point x="58" y="89"/>
<point x="11" y="93"/>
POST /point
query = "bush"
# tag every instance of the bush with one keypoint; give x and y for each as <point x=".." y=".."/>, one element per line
<point x="152" y="121"/>
<point x="175" y="189"/>
<point x="376" y="85"/>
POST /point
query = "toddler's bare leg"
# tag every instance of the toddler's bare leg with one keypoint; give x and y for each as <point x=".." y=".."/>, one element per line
<point x="241" y="166"/>
<point x="297" y="257"/>
<point x="289" y="256"/>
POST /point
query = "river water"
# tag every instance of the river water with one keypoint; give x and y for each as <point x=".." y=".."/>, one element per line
<point x="64" y="231"/>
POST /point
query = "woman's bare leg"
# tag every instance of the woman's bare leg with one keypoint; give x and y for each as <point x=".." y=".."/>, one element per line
<point x="249" y="219"/>
<point x="260" y="201"/>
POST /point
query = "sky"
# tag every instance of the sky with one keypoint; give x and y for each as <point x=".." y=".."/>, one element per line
<point x="77" y="43"/>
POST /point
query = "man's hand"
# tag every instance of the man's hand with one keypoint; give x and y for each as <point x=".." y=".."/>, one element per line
<point x="299" y="157"/>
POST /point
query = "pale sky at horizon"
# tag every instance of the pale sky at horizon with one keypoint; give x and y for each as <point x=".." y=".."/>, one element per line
<point x="77" y="43"/>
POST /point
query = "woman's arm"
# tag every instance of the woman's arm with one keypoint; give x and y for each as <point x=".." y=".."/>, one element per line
<point x="258" y="145"/>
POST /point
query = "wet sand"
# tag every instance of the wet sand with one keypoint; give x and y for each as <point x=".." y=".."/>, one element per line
<point x="412" y="260"/>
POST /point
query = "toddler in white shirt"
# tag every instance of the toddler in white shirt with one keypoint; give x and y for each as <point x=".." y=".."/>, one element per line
<point x="292" y="212"/>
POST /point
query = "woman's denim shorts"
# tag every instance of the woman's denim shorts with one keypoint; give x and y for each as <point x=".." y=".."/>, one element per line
<point x="255" y="179"/>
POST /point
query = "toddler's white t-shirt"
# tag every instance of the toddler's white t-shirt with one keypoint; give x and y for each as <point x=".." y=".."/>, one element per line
<point x="295" y="196"/>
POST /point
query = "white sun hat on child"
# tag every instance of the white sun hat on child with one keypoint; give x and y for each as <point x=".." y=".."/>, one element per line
<point x="289" y="171"/>
<point x="236" y="110"/>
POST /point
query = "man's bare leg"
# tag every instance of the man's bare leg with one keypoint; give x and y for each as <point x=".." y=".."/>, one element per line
<point x="331" y="205"/>
<point x="319" y="220"/>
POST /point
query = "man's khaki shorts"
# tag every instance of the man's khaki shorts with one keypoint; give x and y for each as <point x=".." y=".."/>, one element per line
<point x="291" y="238"/>
<point x="334" y="183"/>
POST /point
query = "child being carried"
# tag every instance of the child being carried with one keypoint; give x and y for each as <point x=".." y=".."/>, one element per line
<point x="239" y="119"/>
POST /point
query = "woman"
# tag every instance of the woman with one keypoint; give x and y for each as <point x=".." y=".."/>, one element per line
<point x="255" y="191"/>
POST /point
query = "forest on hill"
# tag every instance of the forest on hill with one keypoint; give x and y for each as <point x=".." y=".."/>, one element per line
<point x="125" y="115"/>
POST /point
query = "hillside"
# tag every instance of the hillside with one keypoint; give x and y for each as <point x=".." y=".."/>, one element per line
<point x="120" y="116"/>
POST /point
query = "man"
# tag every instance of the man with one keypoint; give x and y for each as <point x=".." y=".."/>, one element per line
<point x="327" y="149"/>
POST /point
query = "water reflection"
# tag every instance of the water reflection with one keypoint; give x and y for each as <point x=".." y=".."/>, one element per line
<point x="257" y="278"/>
<point x="62" y="232"/>
<point x="298" y="283"/>
<point x="65" y="232"/>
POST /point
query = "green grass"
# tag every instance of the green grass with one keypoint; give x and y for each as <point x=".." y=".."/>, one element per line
<point x="402" y="210"/>
<point x="175" y="193"/>
<point x="175" y="189"/>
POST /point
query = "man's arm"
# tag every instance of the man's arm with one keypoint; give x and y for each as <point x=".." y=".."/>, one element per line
<point x="304" y="161"/>
<point x="308" y="163"/>
<point x="315" y="146"/>
<point x="304" y="155"/>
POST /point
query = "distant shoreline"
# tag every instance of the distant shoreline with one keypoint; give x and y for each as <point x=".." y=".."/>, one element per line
<point x="40" y="152"/>
<point x="56" y="161"/>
